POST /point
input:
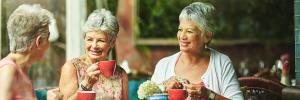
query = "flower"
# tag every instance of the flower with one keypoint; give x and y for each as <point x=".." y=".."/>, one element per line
<point x="148" y="88"/>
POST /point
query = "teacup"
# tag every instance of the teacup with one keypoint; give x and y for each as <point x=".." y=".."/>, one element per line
<point x="177" y="94"/>
<point x="107" y="68"/>
<point x="86" y="95"/>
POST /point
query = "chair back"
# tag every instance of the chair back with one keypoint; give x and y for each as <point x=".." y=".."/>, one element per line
<point x="256" y="88"/>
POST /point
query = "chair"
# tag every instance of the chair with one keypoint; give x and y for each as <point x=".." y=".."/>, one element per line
<point x="256" y="88"/>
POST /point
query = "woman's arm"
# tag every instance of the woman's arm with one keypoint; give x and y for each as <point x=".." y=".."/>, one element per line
<point x="231" y="88"/>
<point x="6" y="78"/>
<point x="68" y="83"/>
<point x="124" y="85"/>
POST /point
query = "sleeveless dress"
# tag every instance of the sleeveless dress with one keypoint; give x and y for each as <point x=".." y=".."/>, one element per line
<point x="105" y="88"/>
<point x="22" y="88"/>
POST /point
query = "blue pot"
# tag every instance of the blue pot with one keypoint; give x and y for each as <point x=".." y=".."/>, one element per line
<point x="158" y="97"/>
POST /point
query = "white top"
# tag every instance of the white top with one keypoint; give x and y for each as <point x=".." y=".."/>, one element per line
<point x="219" y="77"/>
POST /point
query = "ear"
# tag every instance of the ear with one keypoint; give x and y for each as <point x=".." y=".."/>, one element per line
<point x="208" y="37"/>
<point x="38" y="41"/>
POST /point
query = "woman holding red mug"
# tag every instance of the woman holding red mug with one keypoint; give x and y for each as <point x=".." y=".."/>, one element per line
<point x="209" y="73"/>
<point x="83" y="73"/>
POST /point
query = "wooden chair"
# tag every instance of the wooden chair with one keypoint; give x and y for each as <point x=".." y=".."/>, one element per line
<point x="256" y="88"/>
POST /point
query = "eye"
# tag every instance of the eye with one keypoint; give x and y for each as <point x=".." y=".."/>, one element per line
<point x="89" y="39"/>
<point x="179" y="30"/>
<point x="190" y="31"/>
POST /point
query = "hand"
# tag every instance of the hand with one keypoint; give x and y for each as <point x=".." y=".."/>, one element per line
<point x="54" y="94"/>
<point x="196" y="91"/>
<point x="92" y="76"/>
<point x="172" y="83"/>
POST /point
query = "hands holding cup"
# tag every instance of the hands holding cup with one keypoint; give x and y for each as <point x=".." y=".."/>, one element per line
<point x="196" y="91"/>
<point x="106" y="68"/>
<point x="175" y="88"/>
<point x="172" y="83"/>
<point x="175" y="83"/>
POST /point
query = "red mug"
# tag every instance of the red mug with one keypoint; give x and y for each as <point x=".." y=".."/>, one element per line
<point x="86" y="95"/>
<point x="107" y="68"/>
<point x="177" y="94"/>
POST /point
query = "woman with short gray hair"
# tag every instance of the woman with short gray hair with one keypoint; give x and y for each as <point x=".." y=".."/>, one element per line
<point x="82" y="73"/>
<point x="28" y="31"/>
<point x="204" y="72"/>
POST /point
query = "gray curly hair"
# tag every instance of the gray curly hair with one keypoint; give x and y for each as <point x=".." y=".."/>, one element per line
<point x="25" y="24"/>
<point x="102" y="20"/>
<point x="200" y="13"/>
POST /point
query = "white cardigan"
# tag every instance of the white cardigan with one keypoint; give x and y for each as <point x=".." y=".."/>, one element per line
<point x="219" y="77"/>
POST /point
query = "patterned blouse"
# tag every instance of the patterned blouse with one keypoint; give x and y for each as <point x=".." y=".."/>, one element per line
<point x="105" y="88"/>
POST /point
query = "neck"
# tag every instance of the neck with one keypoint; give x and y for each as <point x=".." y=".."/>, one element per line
<point x="195" y="57"/>
<point x="24" y="60"/>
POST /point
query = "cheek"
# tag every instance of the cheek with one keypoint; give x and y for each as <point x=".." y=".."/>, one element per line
<point x="105" y="47"/>
<point x="87" y="45"/>
<point x="178" y="34"/>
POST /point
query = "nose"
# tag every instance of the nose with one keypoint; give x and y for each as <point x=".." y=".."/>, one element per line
<point x="94" y="44"/>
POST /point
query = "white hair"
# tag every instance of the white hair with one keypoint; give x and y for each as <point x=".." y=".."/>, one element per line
<point x="25" y="24"/>
<point x="102" y="20"/>
<point x="199" y="13"/>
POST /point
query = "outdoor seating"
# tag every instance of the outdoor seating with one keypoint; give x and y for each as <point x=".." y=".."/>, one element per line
<point x="256" y="88"/>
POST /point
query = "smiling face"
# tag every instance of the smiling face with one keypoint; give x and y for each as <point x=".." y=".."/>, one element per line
<point x="190" y="37"/>
<point x="97" y="45"/>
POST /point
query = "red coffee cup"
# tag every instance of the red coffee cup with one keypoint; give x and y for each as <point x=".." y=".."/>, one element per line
<point x="86" y="95"/>
<point x="107" y="68"/>
<point x="177" y="94"/>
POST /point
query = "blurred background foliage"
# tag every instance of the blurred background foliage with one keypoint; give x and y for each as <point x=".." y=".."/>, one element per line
<point x="251" y="19"/>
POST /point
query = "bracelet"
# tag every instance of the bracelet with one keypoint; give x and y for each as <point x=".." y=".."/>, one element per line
<point x="85" y="88"/>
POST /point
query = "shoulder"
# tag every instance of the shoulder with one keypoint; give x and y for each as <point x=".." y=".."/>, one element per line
<point x="169" y="59"/>
<point x="75" y="61"/>
<point x="8" y="73"/>
<point x="219" y="57"/>
<point x="122" y="73"/>
<point x="8" y="69"/>
<point x="120" y="69"/>
<point x="220" y="61"/>
<point x="69" y="65"/>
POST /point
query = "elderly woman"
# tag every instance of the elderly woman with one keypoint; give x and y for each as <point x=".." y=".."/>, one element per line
<point x="100" y="33"/>
<point x="28" y="34"/>
<point x="206" y="73"/>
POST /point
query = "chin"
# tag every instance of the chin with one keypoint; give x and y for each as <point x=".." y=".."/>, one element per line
<point x="183" y="49"/>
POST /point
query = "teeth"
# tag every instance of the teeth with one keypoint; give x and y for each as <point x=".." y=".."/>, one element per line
<point x="95" y="52"/>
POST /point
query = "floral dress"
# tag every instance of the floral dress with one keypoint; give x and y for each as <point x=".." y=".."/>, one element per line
<point x="105" y="88"/>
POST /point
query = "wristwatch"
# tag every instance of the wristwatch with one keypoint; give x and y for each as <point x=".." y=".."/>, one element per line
<point x="211" y="95"/>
